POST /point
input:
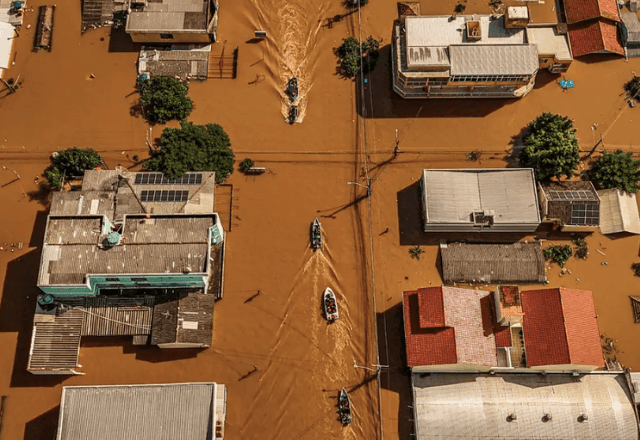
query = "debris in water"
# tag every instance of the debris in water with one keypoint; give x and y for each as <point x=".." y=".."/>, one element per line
<point x="599" y="251"/>
<point x="604" y="263"/>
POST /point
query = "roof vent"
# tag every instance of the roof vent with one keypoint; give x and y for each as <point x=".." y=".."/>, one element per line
<point x="583" y="418"/>
<point x="112" y="239"/>
<point x="547" y="417"/>
<point x="511" y="417"/>
<point x="483" y="218"/>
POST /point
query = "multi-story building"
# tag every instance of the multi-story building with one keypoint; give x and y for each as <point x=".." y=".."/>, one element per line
<point x="479" y="56"/>
<point x="173" y="21"/>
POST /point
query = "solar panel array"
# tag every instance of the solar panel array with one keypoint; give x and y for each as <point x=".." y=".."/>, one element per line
<point x="585" y="214"/>
<point x="162" y="195"/>
<point x="161" y="179"/>
<point x="572" y="195"/>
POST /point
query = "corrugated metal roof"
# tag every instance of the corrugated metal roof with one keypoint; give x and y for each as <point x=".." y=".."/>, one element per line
<point x="187" y="318"/>
<point x="155" y="245"/>
<point x="55" y="343"/>
<point x="492" y="263"/>
<point x="169" y="15"/>
<point x="453" y="195"/>
<point x="186" y="411"/>
<point x="618" y="212"/>
<point x="76" y="203"/>
<point x="470" y="406"/>
<point x="521" y="59"/>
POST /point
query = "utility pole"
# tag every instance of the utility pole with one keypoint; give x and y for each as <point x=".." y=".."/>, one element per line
<point x="396" y="149"/>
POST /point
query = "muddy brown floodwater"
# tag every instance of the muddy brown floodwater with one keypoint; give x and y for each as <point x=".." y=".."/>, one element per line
<point x="302" y="362"/>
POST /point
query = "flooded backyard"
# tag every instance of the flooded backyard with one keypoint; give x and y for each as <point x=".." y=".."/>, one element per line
<point x="301" y="361"/>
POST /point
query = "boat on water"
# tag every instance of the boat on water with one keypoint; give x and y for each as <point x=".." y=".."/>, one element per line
<point x="292" y="88"/>
<point x="316" y="235"/>
<point x="330" y="305"/>
<point x="344" y="407"/>
<point x="293" y="114"/>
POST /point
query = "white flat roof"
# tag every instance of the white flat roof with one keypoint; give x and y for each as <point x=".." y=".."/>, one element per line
<point x="6" y="42"/>
<point x="425" y="31"/>
<point x="453" y="195"/>
<point x="549" y="42"/>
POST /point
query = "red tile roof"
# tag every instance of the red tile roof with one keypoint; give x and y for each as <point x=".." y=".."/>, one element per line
<point x="595" y="36"/>
<point x="560" y="327"/>
<point x="581" y="10"/>
<point x="581" y="326"/>
<point x="544" y="335"/>
<point x="426" y="346"/>
<point x="431" y="307"/>
<point x="503" y="336"/>
<point x="446" y="325"/>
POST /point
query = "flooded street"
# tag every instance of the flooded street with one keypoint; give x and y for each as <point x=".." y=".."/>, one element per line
<point x="301" y="361"/>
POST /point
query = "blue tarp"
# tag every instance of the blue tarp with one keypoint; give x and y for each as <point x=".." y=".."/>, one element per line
<point x="566" y="83"/>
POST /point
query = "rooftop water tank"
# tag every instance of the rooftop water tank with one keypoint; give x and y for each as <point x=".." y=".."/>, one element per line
<point x="113" y="239"/>
<point x="44" y="300"/>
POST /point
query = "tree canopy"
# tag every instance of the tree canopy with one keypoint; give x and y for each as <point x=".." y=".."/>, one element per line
<point x="164" y="99"/>
<point x="353" y="54"/>
<point x="551" y="146"/>
<point x="616" y="170"/>
<point x="72" y="162"/>
<point x="193" y="148"/>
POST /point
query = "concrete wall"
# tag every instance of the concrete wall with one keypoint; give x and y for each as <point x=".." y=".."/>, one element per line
<point x="178" y="37"/>
<point x="450" y="367"/>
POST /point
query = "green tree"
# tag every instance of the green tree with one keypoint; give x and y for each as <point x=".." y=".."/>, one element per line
<point x="616" y="170"/>
<point x="164" y="99"/>
<point x="353" y="54"/>
<point x="193" y="148"/>
<point x="246" y="165"/>
<point x="72" y="162"/>
<point x="551" y="146"/>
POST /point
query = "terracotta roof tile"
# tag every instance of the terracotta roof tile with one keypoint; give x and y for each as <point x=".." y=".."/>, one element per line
<point x="594" y="36"/>
<point x="581" y="327"/>
<point x="560" y="327"/>
<point x="544" y="335"/>
<point x="581" y="10"/>
<point x="426" y="346"/>
<point x="465" y="334"/>
<point x="431" y="307"/>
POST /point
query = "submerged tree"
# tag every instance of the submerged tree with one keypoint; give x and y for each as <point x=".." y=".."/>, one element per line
<point x="353" y="55"/>
<point x="165" y="99"/>
<point x="193" y="148"/>
<point x="616" y="170"/>
<point x="72" y="162"/>
<point x="551" y="146"/>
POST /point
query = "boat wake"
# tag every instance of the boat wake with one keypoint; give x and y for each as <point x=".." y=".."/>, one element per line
<point x="293" y="33"/>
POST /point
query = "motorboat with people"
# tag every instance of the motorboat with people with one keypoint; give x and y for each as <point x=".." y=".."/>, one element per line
<point x="292" y="88"/>
<point x="344" y="407"/>
<point x="330" y="305"/>
<point x="293" y="114"/>
<point x="316" y="235"/>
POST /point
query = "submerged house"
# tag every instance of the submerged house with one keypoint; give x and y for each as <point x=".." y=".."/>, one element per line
<point x="173" y="21"/>
<point x="479" y="200"/>
<point x="124" y="249"/>
<point x="492" y="263"/>
<point x="453" y="329"/>
<point x="471" y="406"/>
<point x="477" y="56"/>
<point x="572" y="206"/>
<point x="593" y="26"/>
<point x="180" y="411"/>
<point x="618" y="212"/>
